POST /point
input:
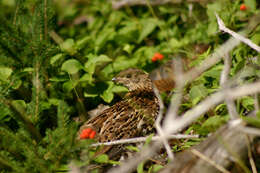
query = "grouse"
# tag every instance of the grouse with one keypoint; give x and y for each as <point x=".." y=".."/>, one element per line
<point x="131" y="117"/>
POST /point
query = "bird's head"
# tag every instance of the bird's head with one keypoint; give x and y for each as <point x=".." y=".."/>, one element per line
<point x="133" y="79"/>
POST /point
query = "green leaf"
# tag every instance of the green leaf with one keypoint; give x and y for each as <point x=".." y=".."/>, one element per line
<point x="149" y="139"/>
<point x="8" y="2"/>
<point x="128" y="33"/>
<point x="87" y="78"/>
<point x="59" y="79"/>
<point x="91" y="95"/>
<point x="213" y="8"/>
<point x="71" y="66"/>
<point x="119" y="89"/>
<point x="212" y="28"/>
<point x="105" y="35"/>
<point x="221" y="109"/>
<point x="239" y="65"/>
<point x="124" y="62"/>
<point x="94" y="61"/>
<point x="108" y="95"/>
<point x="68" y="46"/>
<point x="103" y="158"/>
<point x="212" y="123"/>
<point x="256" y="38"/>
<point x="251" y="4"/>
<point x="155" y="168"/>
<point x="5" y="73"/>
<point x="148" y="26"/>
<point x="248" y="103"/>
<point x="258" y="114"/>
<point x="198" y="92"/>
<point x="63" y="168"/>
<point x="140" y="168"/>
<point x="113" y="162"/>
<point x="28" y="69"/>
<point x="17" y="84"/>
<point x="69" y="85"/>
<point x="4" y="112"/>
<point x="82" y="42"/>
<point x="20" y="105"/>
<point x="54" y="101"/>
<point x="252" y="121"/>
<point x="132" y="148"/>
<point x="55" y="58"/>
<point x="174" y="43"/>
<point x="214" y="72"/>
<point x="128" y="48"/>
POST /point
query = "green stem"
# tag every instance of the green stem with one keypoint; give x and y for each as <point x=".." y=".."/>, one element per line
<point x="45" y="21"/>
<point x="20" y="114"/>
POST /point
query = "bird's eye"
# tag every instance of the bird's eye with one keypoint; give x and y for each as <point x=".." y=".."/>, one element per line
<point x="128" y="75"/>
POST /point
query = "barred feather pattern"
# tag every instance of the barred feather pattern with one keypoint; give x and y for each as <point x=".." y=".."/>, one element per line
<point x="133" y="116"/>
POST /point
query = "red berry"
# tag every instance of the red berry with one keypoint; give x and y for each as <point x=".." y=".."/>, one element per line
<point x="92" y="134"/>
<point x="243" y="7"/>
<point x="154" y="58"/>
<point x="159" y="56"/>
<point x="85" y="133"/>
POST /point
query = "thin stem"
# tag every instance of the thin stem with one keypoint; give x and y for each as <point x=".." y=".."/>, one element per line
<point x="143" y="139"/>
<point x="37" y="88"/>
<point x="159" y="128"/>
<point x="250" y="155"/>
<point x="208" y="160"/>
<point x="245" y="40"/>
<point x="45" y="21"/>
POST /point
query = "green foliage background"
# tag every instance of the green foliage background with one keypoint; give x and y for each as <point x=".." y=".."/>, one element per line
<point x="57" y="59"/>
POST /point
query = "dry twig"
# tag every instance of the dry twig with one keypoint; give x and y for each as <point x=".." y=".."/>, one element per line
<point x="143" y="139"/>
<point x="222" y="27"/>
<point x="230" y="93"/>
<point x="159" y="128"/>
<point x="207" y="159"/>
<point x="250" y="155"/>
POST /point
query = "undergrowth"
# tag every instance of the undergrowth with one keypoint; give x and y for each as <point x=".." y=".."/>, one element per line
<point x="57" y="59"/>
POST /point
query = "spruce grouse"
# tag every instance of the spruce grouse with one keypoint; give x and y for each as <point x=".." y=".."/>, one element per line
<point x="131" y="117"/>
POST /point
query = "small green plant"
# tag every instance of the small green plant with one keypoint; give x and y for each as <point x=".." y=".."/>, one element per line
<point x="57" y="59"/>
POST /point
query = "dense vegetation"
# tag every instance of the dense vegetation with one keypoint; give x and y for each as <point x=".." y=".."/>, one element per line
<point x="57" y="59"/>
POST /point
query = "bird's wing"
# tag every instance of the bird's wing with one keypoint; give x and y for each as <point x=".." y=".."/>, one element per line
<point x="121" y="123"/>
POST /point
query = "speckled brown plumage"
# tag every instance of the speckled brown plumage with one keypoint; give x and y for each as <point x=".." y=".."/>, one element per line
<point x="134" y="115"/>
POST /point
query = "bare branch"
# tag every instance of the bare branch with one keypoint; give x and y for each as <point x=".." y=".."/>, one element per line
<point x="211" y="101"/>
<point x="224" y="147"/>
<point x="211" y="60"/>
<point x="208" y="160"/>
<point x="159" y="128"/>
<point x="171" y="114"/>
<point x="250" y="130"/>
<point x="143" y="139"/>
<point x="190" y="116"/>
<point x="256" y="103"/>
<point x="250" y="155"/>
<point x="222" y="27"/>
<point x="225" y="72"/>
<point x="223" y="80"/>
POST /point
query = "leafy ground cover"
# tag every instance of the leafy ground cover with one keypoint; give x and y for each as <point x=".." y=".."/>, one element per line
<point x="57" y="59"/>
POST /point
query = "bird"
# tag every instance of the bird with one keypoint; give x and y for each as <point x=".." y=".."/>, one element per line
<point x="133" y="116"/>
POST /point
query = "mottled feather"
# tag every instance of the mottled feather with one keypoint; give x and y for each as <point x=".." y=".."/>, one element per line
<point x="134" y="115"/>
